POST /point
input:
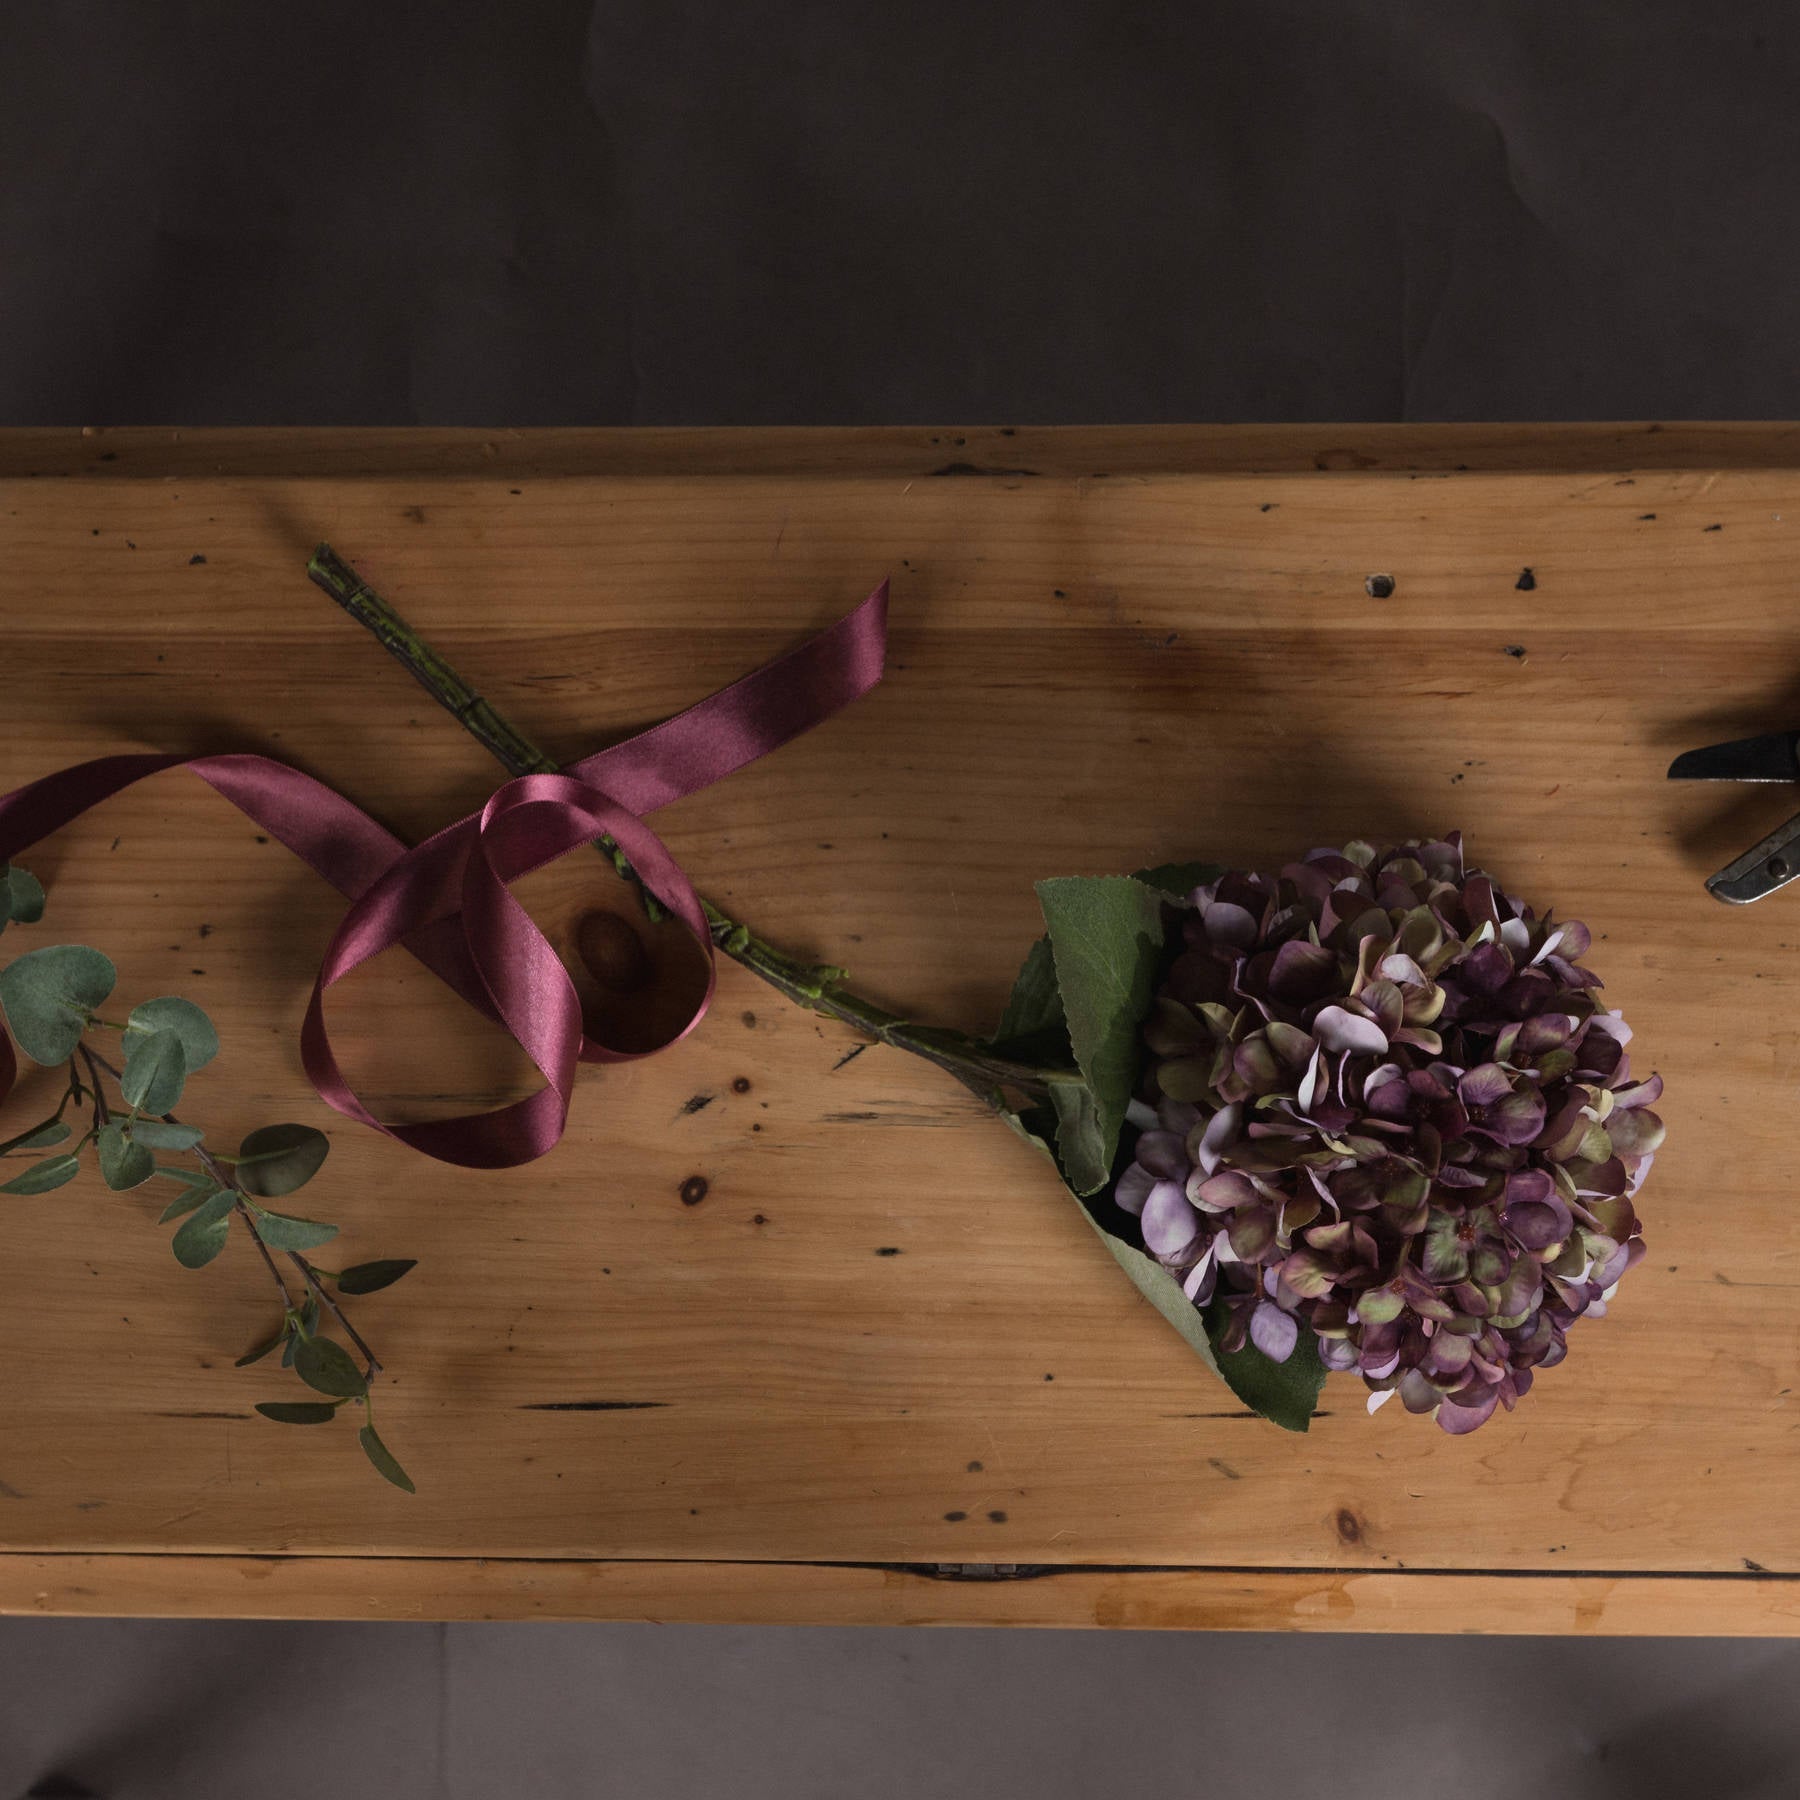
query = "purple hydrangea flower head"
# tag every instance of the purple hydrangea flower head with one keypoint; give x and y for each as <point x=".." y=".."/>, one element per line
<point x="1383" y="1103"/>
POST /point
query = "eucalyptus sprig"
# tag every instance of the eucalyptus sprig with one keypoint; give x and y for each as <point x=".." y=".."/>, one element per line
<point x="51" y="999"/>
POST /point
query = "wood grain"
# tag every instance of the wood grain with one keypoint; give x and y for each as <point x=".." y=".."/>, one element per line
<point x="885" y="1337"/>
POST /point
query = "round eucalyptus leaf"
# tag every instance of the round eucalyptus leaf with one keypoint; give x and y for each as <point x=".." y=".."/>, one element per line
<point x="199" y="1041"/>
<point x="124" y="1164"/>
<point x="52" y="1131"/>
<point x="281" y="1231"/>
<point x="383" y="1458"/>
<point x="48" y="994"/>
<point x="329" y="1368"/>
<point x="21" y="896"/>
<point x="372" y="1277"/>
<point x="203" y="1234"/>
<point x="297" y="1412"/>
<point x="277" y="1159"/>
<point x="160" y="1134"/>
<point x="40" y="1178"/>
<point x="268" y="1344"/>
<point x="193" y="1197"/>
<point x="155" y="1070"/>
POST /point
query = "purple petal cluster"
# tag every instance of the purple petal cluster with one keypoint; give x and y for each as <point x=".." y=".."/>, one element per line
<point x="1382" y="1103"/>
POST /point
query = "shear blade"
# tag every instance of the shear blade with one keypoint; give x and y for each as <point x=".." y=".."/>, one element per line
<point x="1759" y="872"/>
<point x="1770" y="758"/>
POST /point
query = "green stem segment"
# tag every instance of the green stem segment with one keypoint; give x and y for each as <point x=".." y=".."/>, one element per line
<point x="215" y="1167"/>
<point x="817" y="987"/>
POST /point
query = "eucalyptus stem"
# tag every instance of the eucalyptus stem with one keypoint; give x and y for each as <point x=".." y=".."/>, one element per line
<point x="227" y="1178"/>
<point x="336" y="1311"/>
<point x="817" y="987"/>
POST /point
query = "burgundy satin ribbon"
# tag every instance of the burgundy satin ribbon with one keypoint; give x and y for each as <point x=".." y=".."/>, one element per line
<point x="447" y="899"/>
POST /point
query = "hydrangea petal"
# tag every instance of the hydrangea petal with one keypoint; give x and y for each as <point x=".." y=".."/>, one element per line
<point x="1302" y="972"/>
<point x="1170" y="1224"/>
<point x="1218" y="1137"/>
<point x="1274" y="1332"/>
<point x="1338" y="1030"/>
<point x="1229" y="925"/>
<point x="1163" y="1154"/>
<point x="1132" y="1188"/>
<point x="1459" y="1420"/>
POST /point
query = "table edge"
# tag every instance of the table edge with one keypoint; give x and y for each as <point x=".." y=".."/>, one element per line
<point x="429" y="1588"/>
<point x="1010" y="453"/>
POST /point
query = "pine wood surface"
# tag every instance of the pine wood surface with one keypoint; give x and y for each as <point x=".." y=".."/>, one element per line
<point x="885" y="1340"/>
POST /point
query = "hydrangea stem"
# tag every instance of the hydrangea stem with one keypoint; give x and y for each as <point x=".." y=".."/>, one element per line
<point x="817" y="987"/>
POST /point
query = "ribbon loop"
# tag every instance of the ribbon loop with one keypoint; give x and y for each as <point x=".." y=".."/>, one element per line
<point x="448" y="899"/>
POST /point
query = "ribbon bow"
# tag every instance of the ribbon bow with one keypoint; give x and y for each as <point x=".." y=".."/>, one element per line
<point x="447" y="899"/>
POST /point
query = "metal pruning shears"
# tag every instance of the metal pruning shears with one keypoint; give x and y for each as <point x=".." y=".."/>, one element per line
<point x="1775" y="861"/>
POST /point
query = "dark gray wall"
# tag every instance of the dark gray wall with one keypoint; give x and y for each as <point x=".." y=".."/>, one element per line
<point x="811" y="211"/>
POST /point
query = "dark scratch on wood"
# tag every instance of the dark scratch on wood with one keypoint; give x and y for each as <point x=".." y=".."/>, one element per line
<point x="849" y="1056"/>
<point x="698" y="1103"/>
<point x="968" y="468"/>
<point x="592" y="1405"/>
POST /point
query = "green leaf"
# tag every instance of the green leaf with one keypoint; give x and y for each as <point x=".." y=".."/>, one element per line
<point x="329" y="1368"/>
<point x="269" y="1343"/>
<point x="48" y="995"/>
<point x="21" y="896"/>
<point x="197" y="1195"/>
<point x="1037" y="1126"/>
<point x="40" y="1137"/>
<point x="155" y="1071"/>
<point x="297" y="1412"/>
<point x="1162" y="1290"/>
<point x="160" y="1134"/>
<point x="281" y="1231"/>
<point x="1180" y="879"/>
<point x="280" y="1158"/>
<point x="199" y="1041"/>
<point x="40" y="1178"/>
<point x="1106" y="938"/>
<point x="372" y="1277"/>
<point x="1285" y="1393"/>
<point x="203" y="1236"/>
<point x="1081" y="1150"/>
<point x="123" y="1164"/>
<point x="1033" y="1028"/>
<point x="383" y="1458"/>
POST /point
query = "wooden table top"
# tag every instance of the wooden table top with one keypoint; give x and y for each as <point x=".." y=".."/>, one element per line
<point x="883" y="1371"/>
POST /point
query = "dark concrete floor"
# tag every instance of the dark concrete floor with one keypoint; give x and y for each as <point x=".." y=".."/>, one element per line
<point x="159" y="1711"/>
